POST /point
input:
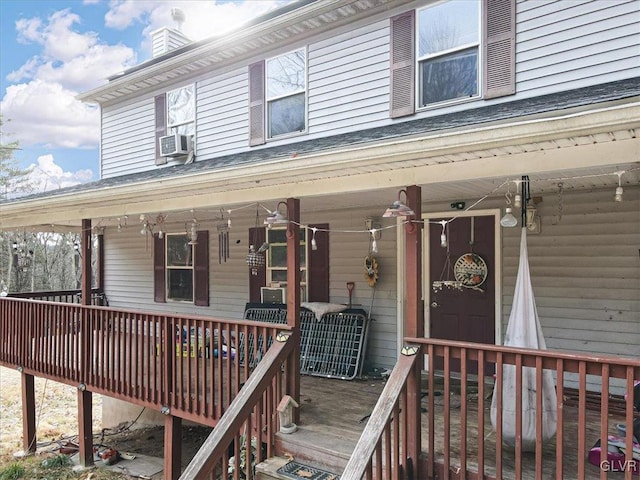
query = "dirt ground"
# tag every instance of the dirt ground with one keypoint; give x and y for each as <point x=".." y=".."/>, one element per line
<point x="56" y="423"/>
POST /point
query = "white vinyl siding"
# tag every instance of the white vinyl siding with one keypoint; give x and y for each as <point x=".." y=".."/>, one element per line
<point x="222" y="114"/>
<point x="584" y="270"/>
<point x="564" y="45"/>
<point x="128" y="140"/>
<point x="349" y="81"/>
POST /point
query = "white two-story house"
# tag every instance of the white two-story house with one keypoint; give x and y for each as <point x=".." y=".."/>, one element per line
<point x="344" y="104"/>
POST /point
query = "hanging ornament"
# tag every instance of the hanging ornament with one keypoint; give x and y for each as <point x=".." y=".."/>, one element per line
<point x="371" y="270"/>
<point x="256" y="258"/>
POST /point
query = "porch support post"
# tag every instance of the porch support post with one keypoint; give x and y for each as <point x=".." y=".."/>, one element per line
<point x="414" y="324"/>
<point x="85" y="405"/>
<point x="172" y="447"/>
<point x="293" y="300"/>
<point x="28" y="414"/>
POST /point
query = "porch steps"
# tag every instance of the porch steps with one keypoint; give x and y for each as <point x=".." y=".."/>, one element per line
<point x="316" y="449"/>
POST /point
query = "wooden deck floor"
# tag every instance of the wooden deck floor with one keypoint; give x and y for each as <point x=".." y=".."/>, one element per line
<point x="340" y="408"/>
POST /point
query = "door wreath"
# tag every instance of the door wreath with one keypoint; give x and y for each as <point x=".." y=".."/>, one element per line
<point x="370" y="270"/>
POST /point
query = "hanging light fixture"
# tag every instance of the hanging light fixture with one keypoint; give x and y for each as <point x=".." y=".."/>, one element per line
<point x="398" y="209"/>
<point x="314" y="244"/>
<point x="619" y="189"/>
<point x="275" y="217"/>
<point x="508" y="220"/>
<point x="443" y="236"/>
<point x="193" y="233"/>
<point x="517" y="199"/>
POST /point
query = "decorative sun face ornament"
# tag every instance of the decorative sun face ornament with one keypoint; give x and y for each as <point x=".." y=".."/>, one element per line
<point x="370" y="270"/>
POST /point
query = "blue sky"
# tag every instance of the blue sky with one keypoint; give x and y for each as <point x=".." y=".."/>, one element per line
<point x="50" y="51"/>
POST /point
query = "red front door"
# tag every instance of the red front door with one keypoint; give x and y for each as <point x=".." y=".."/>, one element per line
<point x="463" y="312"/>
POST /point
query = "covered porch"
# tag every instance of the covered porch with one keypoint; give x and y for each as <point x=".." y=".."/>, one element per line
<point x="583" y="249"/>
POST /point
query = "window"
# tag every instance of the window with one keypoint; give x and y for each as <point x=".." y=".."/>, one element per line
<point x="181" y="110"/>
<point x="435" y="54"/>
<point x="181" y="270"/>
<point x="286" y="84"/>
<point x="277" y="257"/>
<point x="175" y="113"/>
<point x="315" y="263"/>
<point x="277" y="97"/>
<point x="448" y="50"/>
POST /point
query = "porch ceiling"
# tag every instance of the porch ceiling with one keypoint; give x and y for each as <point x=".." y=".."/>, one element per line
<point x="582" y="150"/>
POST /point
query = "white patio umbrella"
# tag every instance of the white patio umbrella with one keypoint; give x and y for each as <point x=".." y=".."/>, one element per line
<point x="523" y="330"/>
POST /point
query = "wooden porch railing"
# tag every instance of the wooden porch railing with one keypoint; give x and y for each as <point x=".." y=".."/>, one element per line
<point x="461" y="443"/>
<point x="246" y="431"/>
<point x="381" y="451"/>
<point x="477" y="452"/>
<point x="191" y="367"/>
<point x="64" y="296"/>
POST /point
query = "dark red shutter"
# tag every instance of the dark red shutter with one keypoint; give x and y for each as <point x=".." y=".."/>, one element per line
<point x="161" y="125"/>
<point x="402" y="94"/>
<point x="159" y="277"/>
<point x="499" y="42"/>
<point x="257" y="236"/>
<point x="201" y="270"/>
<point x="318" y="265"/>
<point x="256" y="104"/>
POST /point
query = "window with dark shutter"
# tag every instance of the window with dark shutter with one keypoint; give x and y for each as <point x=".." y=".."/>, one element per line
<point x="402" y="95"/>
<point x="314" y="262"/>
<point x="499" y="48"/>
<point x="161" y="125"/>
<point x="181" y="270"/>
<point x="256" y="104"/>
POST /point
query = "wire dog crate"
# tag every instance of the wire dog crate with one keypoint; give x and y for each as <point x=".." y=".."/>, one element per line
<point x="332" y="347"/>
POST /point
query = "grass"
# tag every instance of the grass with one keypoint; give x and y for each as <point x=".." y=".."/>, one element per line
<point x="52" y="467"/>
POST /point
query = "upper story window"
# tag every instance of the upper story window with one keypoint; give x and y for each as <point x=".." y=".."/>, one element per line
<point x="448" y="36"/>
<point x="436" y="59"/>
<point x="286" y="93"/>
<point x="181" y="110"/>
<point x="278" y="97"/>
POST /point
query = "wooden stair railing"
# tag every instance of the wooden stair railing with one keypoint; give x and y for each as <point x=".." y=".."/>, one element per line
<point x="252" y="414"/>
<point x="381" y="453"/>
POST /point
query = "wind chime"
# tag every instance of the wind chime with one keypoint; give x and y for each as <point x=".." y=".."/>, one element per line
<point x="223" y="240"/>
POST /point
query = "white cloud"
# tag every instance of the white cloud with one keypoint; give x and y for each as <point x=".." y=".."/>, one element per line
<point x="44" y="113"/>
<point x="47" y="175"/>
<point x="43" y="109"/>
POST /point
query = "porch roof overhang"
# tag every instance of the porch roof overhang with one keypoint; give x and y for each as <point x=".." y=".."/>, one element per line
<point x="490" y="145"/>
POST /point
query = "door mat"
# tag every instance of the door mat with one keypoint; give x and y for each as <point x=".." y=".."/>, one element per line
<point x="298" y="471"/>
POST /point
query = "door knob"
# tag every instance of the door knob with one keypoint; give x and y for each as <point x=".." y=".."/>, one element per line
<point x="434" y="305"/>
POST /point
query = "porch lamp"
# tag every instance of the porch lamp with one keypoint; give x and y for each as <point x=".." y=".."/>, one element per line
<point x="275" y="217"/>
<point x="443" y="236"/>
<point x="508" y="220"/>
<point x="619" y="189"/>
<point x="398" y="209"/>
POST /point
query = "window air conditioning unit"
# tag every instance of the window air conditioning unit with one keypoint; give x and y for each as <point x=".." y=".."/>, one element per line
<point x="273" y="294"/>
<point x="175" y="145"/>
